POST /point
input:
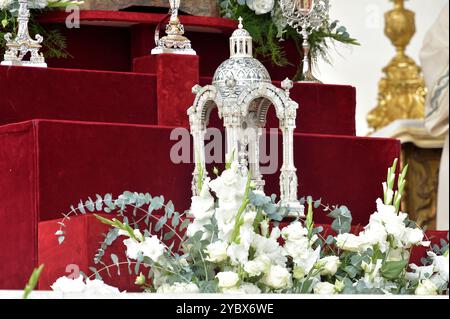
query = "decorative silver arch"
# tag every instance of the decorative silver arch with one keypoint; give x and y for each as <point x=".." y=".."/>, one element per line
<point x="243" y="92"/>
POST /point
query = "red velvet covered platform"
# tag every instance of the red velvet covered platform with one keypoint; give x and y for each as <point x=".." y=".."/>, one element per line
<point x="67" y="134"/>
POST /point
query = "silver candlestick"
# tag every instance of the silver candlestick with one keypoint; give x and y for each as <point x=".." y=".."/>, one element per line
<point x="306" y="16"/>
<point x="174" y="42"/>
<point x="23" y="44"/>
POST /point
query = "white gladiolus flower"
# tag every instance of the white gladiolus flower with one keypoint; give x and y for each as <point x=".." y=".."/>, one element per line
<point x="426" y="288"/>
<point x="277" y="277"/>
<point x="398" y="254"/>
<point x="329" y="265"/>
<point x="245" y="288"/>
<point x="276" y="233"/>
<point x="441" y="265"/>
<point x="349" y="242"/>
<point x="261" y="6"/>
<point x="237" y="253"/>
<point x="68" y="285"/>
<point x="412" y="237"/>
<point x="94" y="287"/>
<point x="230" y="186"/>
<point x="195" y="227"/>
<point x="324" y="288"/>
<point x="178" y="288"/>
<point x="387" y="216"/>
<point x="202" y="207"/>
<point x="217" y="252"/>
<point x="151" y="247"/>
<point x="227" y="279"/>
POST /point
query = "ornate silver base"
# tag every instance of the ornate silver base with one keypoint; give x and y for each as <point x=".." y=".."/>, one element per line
<point x="295" y="209"/>
<point x="163" y="50"/>
<point x="24" y="63"/>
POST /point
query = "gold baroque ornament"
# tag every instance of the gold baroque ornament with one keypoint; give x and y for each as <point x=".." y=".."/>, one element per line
<point x="402" y="91"/>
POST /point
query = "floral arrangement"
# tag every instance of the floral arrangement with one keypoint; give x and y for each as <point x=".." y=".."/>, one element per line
<point x="269" y="28"/>
<point x="232" y="241"/>
<point x="54" y="42"/>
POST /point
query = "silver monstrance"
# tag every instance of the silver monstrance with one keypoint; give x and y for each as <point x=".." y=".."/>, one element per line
<point x="174" y="42"/>
<point x="306" y="16"/>
<point x="23" y="44"/>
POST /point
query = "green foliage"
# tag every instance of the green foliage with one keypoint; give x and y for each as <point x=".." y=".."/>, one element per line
<point x="270" y="30"/>
<point x="32" y="282"/>
<point x="54" y="44"/>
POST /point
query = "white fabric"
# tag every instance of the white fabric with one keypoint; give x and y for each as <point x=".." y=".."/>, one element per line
<point x="435" y="64"/>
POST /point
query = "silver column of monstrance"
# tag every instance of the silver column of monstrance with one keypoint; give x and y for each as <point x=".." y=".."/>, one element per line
<point x="306" y="16"/>
<point x="23" y="44"/>
<point x="174" y="42"/>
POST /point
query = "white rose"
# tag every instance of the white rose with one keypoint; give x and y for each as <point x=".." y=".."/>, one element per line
<point x="277" y="277"/>
<point x="294" y="231"/>
<point x="68" y="285"/>
<point x="98" y="287"/>
<point x="261" y="6"/>
<point x="412" y="237"/>
<point x="426" y="288"/>
<point x="324" y="288"/>
<point x="257" y="267"/>
<point x="245" y="288"/>
<point x="178" y="288"/>
<point x="349" y="242"/>
<point x="217" y="252"/>
<point x="227" y="279"/>
<point x="270" y="248"/>
<point x="152" y="248"/>
<point x="329" y="265"/>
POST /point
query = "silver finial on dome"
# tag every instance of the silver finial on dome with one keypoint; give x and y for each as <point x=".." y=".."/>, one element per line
<point x="241" y="43"/>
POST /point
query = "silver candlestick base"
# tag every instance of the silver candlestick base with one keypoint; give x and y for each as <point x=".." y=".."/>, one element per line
<point x="174" y="42"/>
<point x="23" y="44"/>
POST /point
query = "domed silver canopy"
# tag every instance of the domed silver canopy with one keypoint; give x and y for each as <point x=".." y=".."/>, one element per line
<point x="241" y="69"/>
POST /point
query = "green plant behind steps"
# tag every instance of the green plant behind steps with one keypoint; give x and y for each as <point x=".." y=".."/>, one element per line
<point x="54" y="44"/>
<point x="32" y="282"/>
<point x="270" y="30"/>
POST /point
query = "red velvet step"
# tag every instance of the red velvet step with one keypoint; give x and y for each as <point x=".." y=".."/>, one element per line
<point x="161" y="98"/>
<point x="110" y="41"/>
<point x="48" y="165"/>
<point x="83" y="236"/>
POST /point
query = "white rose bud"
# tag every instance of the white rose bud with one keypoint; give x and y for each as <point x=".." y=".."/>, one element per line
<point x="217" y="252"/>
<point x="324" y="288"/>
<point x="277" y="277"/>
<point x="349" y="242"/>
<point x="426" y="288"/>
<point x="329" y="265"/>
<point x="227" y="279"/>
